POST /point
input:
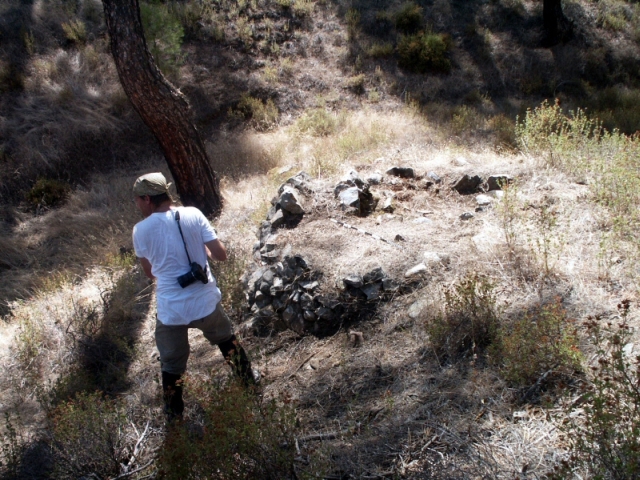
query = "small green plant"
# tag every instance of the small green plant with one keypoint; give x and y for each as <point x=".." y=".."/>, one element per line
<point x="75" y="31"/>
<point x="468" y="323"/>
<point x="380" y="50"/>
<point x="263" y="116"/>
<point x="504" y="130"/>
<point x="356" y="84"/>
<point x="48" y="192"/>
<point x="547" y="244"/>
<point x="603" y="428"/>
<point x="465" y="118"/>
<point x="409" y="18"/>
<point x="242" y="437"/>
<point x="541" y="342"/>
<point x="303" y="8"/>
<point x="353" y="23"/>
<point x="89" y="436"/>
<point x="509" y="212"/>
<point x="227" y="275"/>
<point x="424" y="52"/>
<point x="318" y="122"/>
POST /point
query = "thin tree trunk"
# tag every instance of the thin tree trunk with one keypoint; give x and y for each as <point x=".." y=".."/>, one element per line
<point x="162" y="108"/>
<point x="554" y="22"/>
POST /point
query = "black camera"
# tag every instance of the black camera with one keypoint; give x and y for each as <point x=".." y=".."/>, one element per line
<point x="196" y="273"/>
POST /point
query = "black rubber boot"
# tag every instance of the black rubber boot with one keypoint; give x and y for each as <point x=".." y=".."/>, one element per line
<point x="172" y="395"/>
<point x="237" y="359"/>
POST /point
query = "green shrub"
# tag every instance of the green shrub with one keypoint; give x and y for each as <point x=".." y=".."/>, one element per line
<point x="409" y="17"/>
<point x="75" y="31"/>
<point x="380" y="50"/>
<point x="48" y="192"/>
<point x="424" y="52"/>
<point x="227" y="275"/>
<point x="603" y="427"/>
<point x="163" y="33"/>
<point x="318" y="122"/>
<point x="356" y="84"/>
<point x="263" y="116"/>
<point x="469" y="321"/>
<point x="242" y="437"/>
<point x="504" y="131"/>
<point x="353" y="23"/>
<point x="541" y="341"/>
<point x="89" y="436"/>
<point x="465" y="118"/>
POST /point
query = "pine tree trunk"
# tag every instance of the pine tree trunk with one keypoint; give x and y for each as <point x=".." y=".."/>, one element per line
<point x="162" y="108"/>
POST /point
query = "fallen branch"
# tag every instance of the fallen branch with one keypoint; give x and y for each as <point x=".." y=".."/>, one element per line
<point x="128" y="474"/>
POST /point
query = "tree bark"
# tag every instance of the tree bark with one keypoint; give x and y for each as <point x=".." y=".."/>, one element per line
<point x="162" y="108"/>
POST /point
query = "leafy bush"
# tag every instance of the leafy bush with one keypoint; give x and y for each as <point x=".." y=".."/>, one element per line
<point x="242" y="437"/>
<point x="163" y="33"/>
<point x="464" y="119"/>
<point x="89" y="436"/>
<point x="262" y="115"/>
<point x="48" y="192"/>
<point x="542" y="341"/>
<point x="469" y="321"/>
<point x="579" y="145"/>
<point x="380" y="50"/>
<point x="318" y="122"/>
<point x="603" y="426"/>
<point x="504" y="130"/>
<point x="409" y="17"/>
<point x="424" y="52"/>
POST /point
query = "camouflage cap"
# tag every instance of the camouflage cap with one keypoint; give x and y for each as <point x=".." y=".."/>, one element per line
<point x="151" y="184"/>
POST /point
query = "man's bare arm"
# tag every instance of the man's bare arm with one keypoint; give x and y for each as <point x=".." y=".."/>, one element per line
<point x="216" y="250"/>
<point x="146" y="266"/>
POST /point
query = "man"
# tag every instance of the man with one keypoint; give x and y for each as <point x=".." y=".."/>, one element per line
<point x="172" y="244"/>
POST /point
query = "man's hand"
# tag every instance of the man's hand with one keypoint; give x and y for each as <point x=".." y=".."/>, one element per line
<point x="146" y="266"/>
<point x="215" y="250"/>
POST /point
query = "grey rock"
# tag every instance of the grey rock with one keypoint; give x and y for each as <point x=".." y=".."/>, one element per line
<point x="374" y="179"/>
<point x="350" y="197"/>
<point x="324" y="313"/>
<point x="389" y="285"/>
<point x="466" y="216"/>
<point x="306" y="300"/>
<point x="270" y="257"/>
<point x="402" y="172"/>
<point x="266" y="312"/>
<point x="301" y="262"/>
<point x="327" y="302"/>
<point x="460" y="161"/>
<point x="468" y="184"/>
<point x="416" y="270"/>
<point x="290" y="201"/>
<point x="259" y="296"/>
<point x="388" y="206"/>
<point x="484" y="200"/>
<point x="422" y="220"/>
<point x="288" y="314"/>
<point x="341" y="187"/>
<point x="277" y="220"/>
<point x="264" y="287"/>
<point x="300" y="182"/>
<point x="399" y="238"/>
<point x="309" y="316"/>
<point x="434" y="176"/>
<point x="353" y="280"/>
<point x="372" y="291"/>
<point x="295" y="297"/>
<point x="297" y="324"/>
<point x="497" y="194"/>
<point x="277" y="304"/>
<point x="416" y="308"/>
<point x="496" y="181"/>
<point x="374" y="275"/>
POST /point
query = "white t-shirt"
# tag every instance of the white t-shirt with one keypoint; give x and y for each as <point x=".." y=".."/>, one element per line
<point x="157" y="239"/>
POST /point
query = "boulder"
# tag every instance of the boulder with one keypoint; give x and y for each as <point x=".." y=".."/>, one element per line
<point x="353" y="280"/>
<point x="466" y="216"/>
<point x="484" y="200"/>
<point x="374" y="275"/>
<point x="350" y="197"/>
<point x="372" y="291"/>
<point x="289" y="201"/>
<point x="468" y="184"/>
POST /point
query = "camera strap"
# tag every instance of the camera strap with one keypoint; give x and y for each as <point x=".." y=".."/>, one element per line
<point x="177" y="217"/>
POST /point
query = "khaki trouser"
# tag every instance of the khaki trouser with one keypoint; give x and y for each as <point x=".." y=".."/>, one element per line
<point x="173" y="340"/>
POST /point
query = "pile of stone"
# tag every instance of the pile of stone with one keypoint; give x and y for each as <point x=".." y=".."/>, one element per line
<point x="354" y="195"/>
<point x="287" y="210"/>
<point x="286" y="295"/>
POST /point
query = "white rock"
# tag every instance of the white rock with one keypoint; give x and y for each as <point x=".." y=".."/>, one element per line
<point x="484" y="200"/>
<point x="415" y="309"/>
<point x="497" y="194"/>
<point x="422" y="220"/>
<point x="420" y="268"/>
<point x="460" y="161"/>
